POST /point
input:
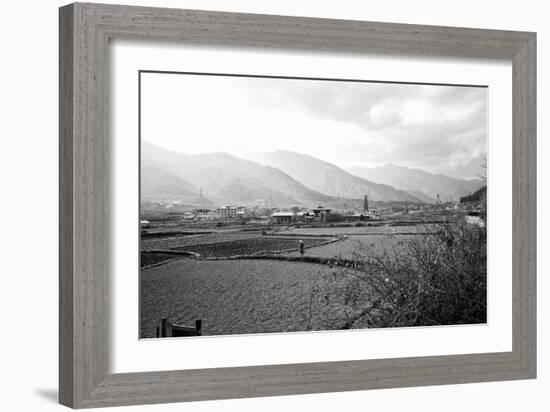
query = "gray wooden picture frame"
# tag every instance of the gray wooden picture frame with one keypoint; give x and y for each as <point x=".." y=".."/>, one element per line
<point x="85" y="31"/>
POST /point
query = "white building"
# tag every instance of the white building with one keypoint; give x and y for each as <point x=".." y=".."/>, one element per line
<point x="321" y="213"/>
<point x="228" y="212"/>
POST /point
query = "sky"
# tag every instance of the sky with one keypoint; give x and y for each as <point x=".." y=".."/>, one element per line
<point x="442" y="129"/>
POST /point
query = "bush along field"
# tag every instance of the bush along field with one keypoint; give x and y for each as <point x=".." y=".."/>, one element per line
<point x="439" y="279"/>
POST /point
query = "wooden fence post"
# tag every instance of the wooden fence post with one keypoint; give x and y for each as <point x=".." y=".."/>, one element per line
<point x="163" y="328"/>
<point x="168" y="329"/>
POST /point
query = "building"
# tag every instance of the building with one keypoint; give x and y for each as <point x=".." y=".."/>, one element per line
<point x="366" y="203"/>
<point x="206" y="214"/>
<point x="189" y="216"/>
<point x="304" y="217"/>
<point x="282" y="217"/>
<point x="321" y="213"/>
<point x="241" y="212"/>
<point x="353" y="216"/>
<point x="372" y="215"/>
<point x="261" y="220"/>
<point x="202" y="213"/>
<point x="228" y="212"/>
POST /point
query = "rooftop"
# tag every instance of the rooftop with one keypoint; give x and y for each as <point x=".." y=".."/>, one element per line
<point x="282" y="214"/>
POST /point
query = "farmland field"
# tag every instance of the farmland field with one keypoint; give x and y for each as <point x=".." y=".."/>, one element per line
<point x="263" y="295"/>
<point x="352" y="230"/>
<point x="178" y="241"/>
<point x="248" y="246"/>
<point x="230" y="296"/>
<point x="148" y="259"/>
<point x="377" y="238"/>
<point x="345" y="249"/>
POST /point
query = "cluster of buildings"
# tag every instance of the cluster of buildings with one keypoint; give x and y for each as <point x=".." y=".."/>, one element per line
<point x="258" y="215"/>
<point x="220" y="214"/>
<point x="239" y="213"/>
<point x="319" y="214"/>
<point x="322" y="214"/>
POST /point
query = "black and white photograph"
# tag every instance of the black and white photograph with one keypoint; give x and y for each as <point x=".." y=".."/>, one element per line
<point x="276" y="204"/>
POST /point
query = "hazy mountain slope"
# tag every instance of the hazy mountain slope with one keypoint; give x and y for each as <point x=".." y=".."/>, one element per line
<point x="160" y="185"/>
<point x="330" y="179"/>
<point x="226" y="179"/>
<point x="422" y="196"/>
<point x="418" y="180"/>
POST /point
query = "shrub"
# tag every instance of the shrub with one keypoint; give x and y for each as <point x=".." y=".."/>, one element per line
<point x="436" y="279"/>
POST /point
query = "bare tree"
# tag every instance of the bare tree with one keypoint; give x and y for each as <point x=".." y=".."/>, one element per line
<point x="436" y="279"/>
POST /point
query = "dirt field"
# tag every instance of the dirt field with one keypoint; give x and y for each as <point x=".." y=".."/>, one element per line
<point x="350" y="230"/>
<point x="248" y="246"/>
<point x="345" y="249"/>
<point x="148" y="259"/>
<point x="246" y="296"/>
<point x="179" y="241"/>
<point x="378" y="238"/>
<point x="230" y="296"/>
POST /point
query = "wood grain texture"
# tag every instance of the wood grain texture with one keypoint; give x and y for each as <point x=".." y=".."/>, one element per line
<point x="524" y="225"/>
<point x="66" y="229"/>
<point x="85" y="31"/>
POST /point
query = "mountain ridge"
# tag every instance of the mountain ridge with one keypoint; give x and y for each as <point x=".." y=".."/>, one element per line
<point x="328" y="178"/>
<point x="226" y="179"/>
<point x="419" y="180"/>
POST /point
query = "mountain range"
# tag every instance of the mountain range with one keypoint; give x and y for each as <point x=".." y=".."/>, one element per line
<point x="221" y="179"/>
<point x="332" y="180"/>
<point x="280" y="179"/>
<point x="158" y="184"/>
<point x="419" y="182"/>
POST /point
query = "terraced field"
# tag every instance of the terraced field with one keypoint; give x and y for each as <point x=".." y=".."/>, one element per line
<point x="248" y="246"/>
<point x="253" y="295"/>
<point x="352" y="230"/>
<point x="155" y="250"/>
<point x="346" y="248"/>
<point x="179" y="241"/>
<point x="377" y="238"/>
<point x="148" y="259"/>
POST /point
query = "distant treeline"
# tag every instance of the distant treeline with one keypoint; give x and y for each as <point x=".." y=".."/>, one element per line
<point x="477" y="196"/>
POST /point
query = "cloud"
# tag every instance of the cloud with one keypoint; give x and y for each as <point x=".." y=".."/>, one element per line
<point x="433" y="127"/>
<point x="417" y="125"/>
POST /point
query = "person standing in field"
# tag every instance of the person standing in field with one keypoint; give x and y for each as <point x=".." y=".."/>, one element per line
<point x="302" y="249"/>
